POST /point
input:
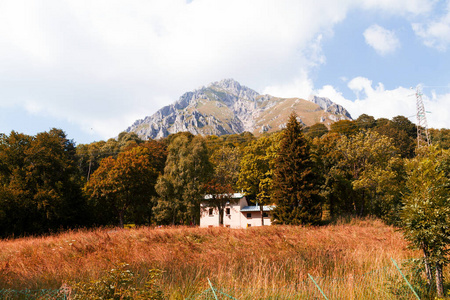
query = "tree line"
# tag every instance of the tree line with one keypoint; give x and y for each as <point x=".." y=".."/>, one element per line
<point x="365" y="167"/>
<point x="354" y="168"/>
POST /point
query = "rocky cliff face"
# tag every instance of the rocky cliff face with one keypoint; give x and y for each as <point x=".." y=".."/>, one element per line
<point x="329" y="106"/>
<point x="226" y="107"/>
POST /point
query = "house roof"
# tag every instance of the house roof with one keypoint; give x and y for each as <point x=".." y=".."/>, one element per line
<point x="257" y="208"/>
<point x="234" y="196"/>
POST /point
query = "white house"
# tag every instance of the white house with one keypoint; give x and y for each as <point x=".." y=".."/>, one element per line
<point x="237" y="213"/>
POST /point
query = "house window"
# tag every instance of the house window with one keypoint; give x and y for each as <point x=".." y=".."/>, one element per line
<point x="228" y="211"/>
<point x="249" y="225"/>
<point x="249" y="215"/>
<point x="265" y="215"/>
<point x="211" y="212"/>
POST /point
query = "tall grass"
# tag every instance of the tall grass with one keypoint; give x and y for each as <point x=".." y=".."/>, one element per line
<point x="253" y="263"/>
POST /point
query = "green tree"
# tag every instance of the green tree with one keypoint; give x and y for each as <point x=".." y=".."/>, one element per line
<point x="375" y="169"/>
<point x="402" y="132"/>
<point x="404" y="124"/>
<point x="40" y="183"/>
<point x="122" y="183"/>
<point x="362" y="174"/>
<point x="226" y="162"/>
<point x="127" y="140"/>
<point x="110" y="148"/>
<point x="316" y="130"/>
<point x="381" y="122"/>
<point x="426" y="210"/>
<point x="365" y="122"/>
<point x="440" y="137"/>
<point x="295" y="184"/>
<point x="344" y="127"/>
<point x="143" y="213"/>
<point x="17" y="212"/>
<point x="400" y="139"/>
<point x="54" y="178"/>
<point x="256" y="175"/>
<point x="182" y="187"/>
<point x="89" y="157"/>
<point x="238" y="141"/>
<point x="336" y="186"/>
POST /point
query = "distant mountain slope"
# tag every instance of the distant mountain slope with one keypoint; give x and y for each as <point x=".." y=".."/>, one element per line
<point x="226" y="107"/>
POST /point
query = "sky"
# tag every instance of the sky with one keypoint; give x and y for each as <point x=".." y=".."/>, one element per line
<point x="93" y="67"/>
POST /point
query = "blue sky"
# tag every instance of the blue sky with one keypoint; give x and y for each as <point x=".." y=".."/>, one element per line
<point x="93" y="67"/>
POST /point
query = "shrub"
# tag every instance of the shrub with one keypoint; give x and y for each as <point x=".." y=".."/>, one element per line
<point x="119" y="283"/>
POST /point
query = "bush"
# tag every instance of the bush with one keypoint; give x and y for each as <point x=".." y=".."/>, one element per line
<point x="119" y="284"/>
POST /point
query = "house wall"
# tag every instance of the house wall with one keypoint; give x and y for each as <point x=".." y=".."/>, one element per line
<point x="233" y="220"/>
<point x="236" y="218"/>
<point x="255" y="219"/>
<point x="206" y="220"/>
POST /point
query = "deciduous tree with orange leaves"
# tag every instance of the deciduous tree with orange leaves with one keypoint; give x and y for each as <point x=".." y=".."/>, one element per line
<point x="121" y="183"/>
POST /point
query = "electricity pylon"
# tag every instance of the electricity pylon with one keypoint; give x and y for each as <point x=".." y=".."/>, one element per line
<point x="423" y="137"/>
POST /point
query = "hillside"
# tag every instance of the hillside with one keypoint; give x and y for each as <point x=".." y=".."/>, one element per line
<point x="226" y="107"/>
<point x="249" y="263"/>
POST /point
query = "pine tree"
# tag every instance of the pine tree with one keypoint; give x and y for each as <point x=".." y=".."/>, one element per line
<point x="296" y="192"/>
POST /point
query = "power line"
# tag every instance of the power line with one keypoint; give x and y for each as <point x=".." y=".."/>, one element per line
<point x="423" y="138"/>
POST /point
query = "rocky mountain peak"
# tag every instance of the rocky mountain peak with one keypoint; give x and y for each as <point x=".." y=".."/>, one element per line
<point x="229" y="85"/>
<point x="232" y="87"/>
<point x="227" y="107"/>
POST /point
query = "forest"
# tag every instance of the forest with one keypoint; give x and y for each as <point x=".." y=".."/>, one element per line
<point x="313" y="175"/>
<point x="355" y="168"/>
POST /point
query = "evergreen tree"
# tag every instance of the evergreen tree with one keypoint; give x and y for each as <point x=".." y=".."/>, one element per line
<point x="296" y="192"/>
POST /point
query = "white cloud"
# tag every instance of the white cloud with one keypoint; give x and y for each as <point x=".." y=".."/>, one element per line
<point x="399" y="7"/>
<point x="435" y="33"/>
<point x="382" y="103"/>
<point x="382" y="40"/>
<point x="439" y="116"/>
<point x="91" y="62"/>
<point x="375" y="101"/>
<point x="103" y="63"/>
<point x="301" y="86"/>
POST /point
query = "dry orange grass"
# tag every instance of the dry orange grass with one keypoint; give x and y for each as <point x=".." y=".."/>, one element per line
<point x="268" y="257"/>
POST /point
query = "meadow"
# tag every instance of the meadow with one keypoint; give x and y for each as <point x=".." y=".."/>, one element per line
<point x="350" y="260"/>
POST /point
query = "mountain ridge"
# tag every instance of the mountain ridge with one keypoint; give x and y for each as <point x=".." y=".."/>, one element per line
<point x="227" y="107"/>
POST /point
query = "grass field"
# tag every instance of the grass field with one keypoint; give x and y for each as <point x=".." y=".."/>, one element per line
<point x="271" y="262"/>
